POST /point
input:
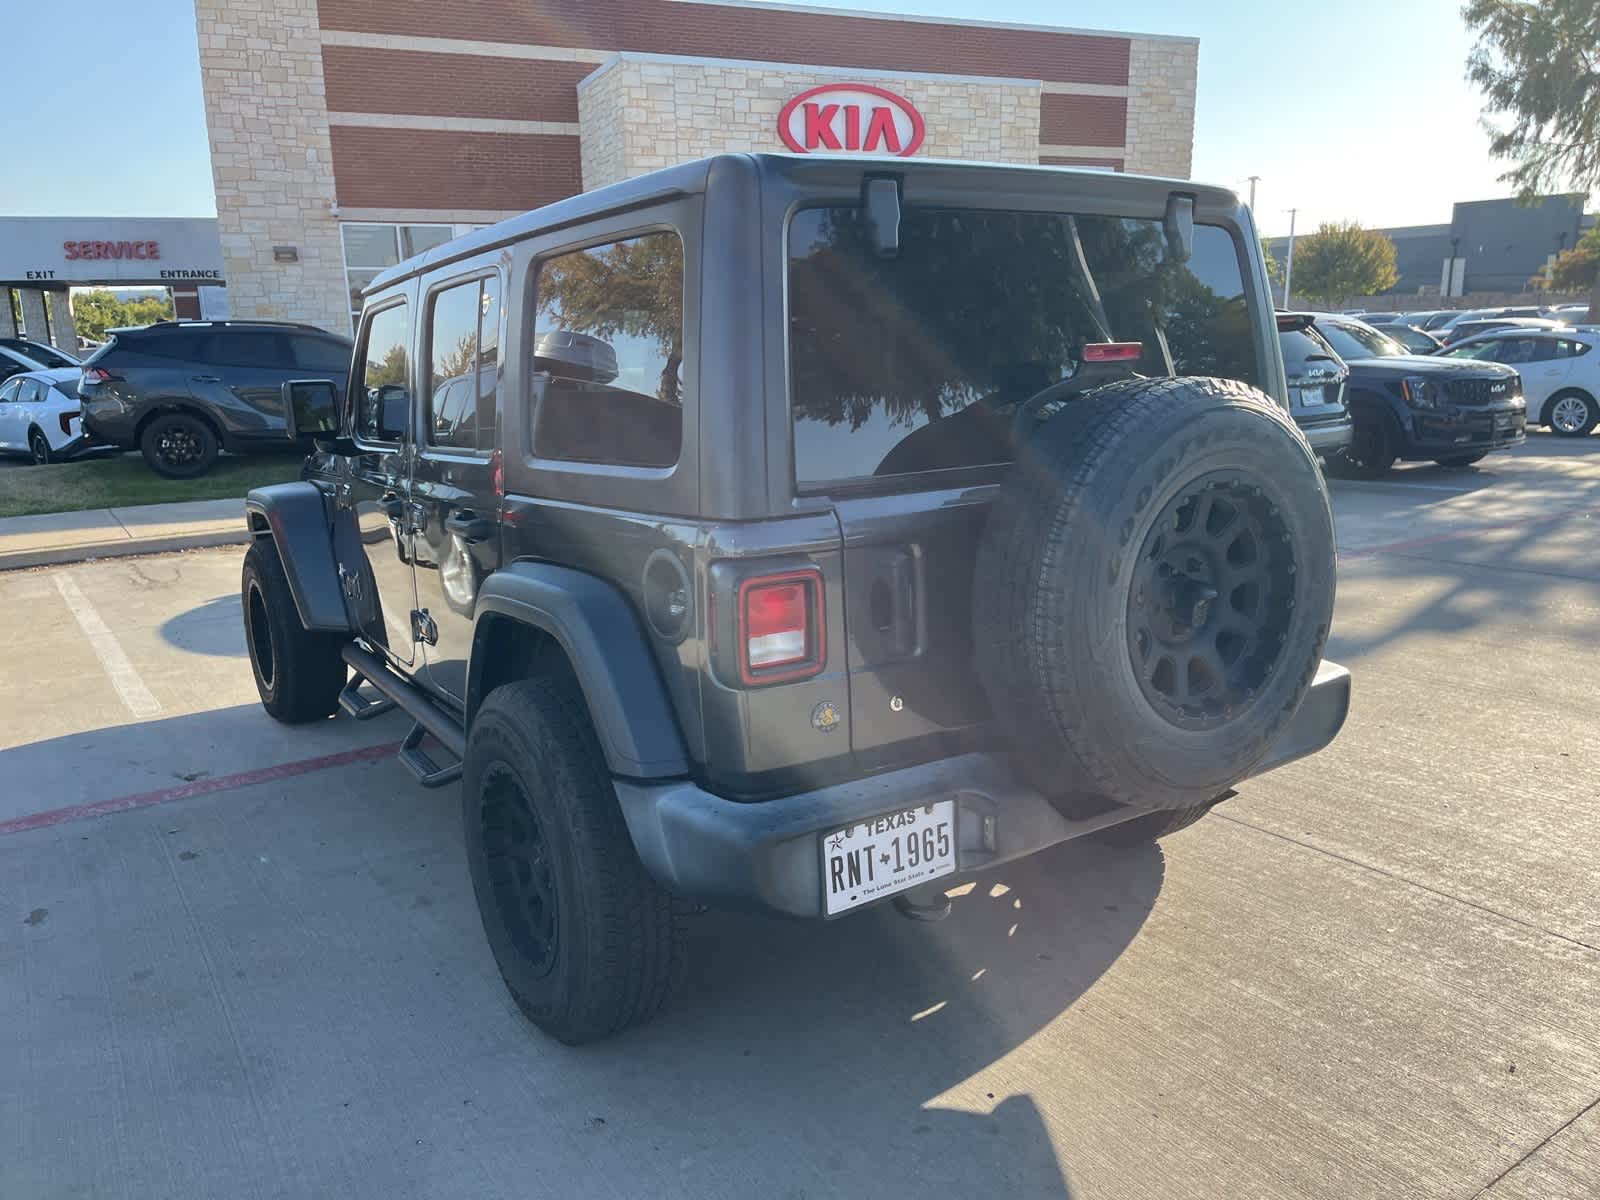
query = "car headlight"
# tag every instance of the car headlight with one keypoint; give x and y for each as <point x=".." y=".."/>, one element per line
<point x="1420" y="393"/>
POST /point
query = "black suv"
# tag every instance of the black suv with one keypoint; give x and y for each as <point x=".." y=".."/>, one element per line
<point x="183" y="391"/>
<point x="1421" y="408"/>
<point x="792" y="534"/>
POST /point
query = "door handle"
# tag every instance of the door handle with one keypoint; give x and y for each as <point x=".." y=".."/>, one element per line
<point x="469" y="526"/>
<point x="205" y="379"/>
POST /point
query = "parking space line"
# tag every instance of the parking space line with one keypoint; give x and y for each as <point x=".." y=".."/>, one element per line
<point x="1359" y="484"/>
<point x="199" y="787"/>
<point x="135" y="696"/>
<point x="1459" y="535"/>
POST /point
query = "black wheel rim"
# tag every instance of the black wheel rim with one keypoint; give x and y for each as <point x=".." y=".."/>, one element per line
<point x="41" y="449"/>
<point x="260" y="636"/>
<point x="178" y="446"/>
<point x="1210" y="602"/>
<point x="521" y="874"/>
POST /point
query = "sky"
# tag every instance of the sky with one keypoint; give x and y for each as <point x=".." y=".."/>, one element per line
<point x="1352" y="111"/>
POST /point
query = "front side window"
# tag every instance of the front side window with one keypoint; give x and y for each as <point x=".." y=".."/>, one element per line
<point x="609" y="354"/>
<point x="1487" y="350"/>
<point x="464" y="365"/>
<point x="323" y="355"/>
<point x="383" y="404"/>
<point x="917" y="362"/>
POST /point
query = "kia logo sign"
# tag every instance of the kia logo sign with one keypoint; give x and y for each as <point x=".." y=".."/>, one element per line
<point x="850" y="118"/>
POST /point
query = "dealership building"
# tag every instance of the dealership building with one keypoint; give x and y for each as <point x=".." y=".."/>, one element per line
<point x="348" y="134"/>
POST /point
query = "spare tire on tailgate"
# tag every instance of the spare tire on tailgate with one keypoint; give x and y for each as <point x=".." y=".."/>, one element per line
<point x="1153" y="590"/>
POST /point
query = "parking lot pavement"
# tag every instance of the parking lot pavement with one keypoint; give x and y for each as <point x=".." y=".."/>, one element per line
<point x="1372" y="974"/>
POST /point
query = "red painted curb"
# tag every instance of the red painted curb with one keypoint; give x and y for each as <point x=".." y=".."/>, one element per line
<point x="200" y="787"/>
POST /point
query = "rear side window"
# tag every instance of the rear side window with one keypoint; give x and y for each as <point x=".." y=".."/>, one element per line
<point x="609" y="354"/>
<point x="918" y="362"/>
<point x="182" y="344"/>
<point x="326" y="356"/>
<point x="383" y="403"/>
<point x="464" y="365"/>
<point x="246" y="348"/>
<point x="9" y="389"/>
<point x="1567" y="348"/>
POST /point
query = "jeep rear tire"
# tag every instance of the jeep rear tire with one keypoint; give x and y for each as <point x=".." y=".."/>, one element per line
<point x="586" y="941"/>
<point x="298" y="673"/>
<point x="1153" y="591"/>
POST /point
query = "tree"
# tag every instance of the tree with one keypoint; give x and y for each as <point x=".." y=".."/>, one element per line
<point x="1538" y="62"/>
<point x="1274" y="267"/>
<point x="96" y="310"/>
<point x="1341" y="260"/>
<point x="1573" y="270"/>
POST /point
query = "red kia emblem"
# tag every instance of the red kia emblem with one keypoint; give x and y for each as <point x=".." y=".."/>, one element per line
<point x="850" y="118"/>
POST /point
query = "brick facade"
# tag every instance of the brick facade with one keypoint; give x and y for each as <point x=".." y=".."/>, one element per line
<point x="330" y="110"/>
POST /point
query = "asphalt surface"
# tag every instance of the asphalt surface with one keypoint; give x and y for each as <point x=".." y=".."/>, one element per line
<point x="258" y="972"/>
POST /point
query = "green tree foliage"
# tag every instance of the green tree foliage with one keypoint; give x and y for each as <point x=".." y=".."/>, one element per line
<point x="96" y="310"/>
<point x="1538" y="63"/>
<point x="1274" y="267"/>
<point x="1574" y="270"/>
<point x="1341" y="260"/>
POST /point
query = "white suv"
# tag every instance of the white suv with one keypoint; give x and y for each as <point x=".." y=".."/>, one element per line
<point x="1560" y="371"/>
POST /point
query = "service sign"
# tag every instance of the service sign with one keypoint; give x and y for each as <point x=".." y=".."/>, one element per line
<point x="851" y="118"/>
<point x="75" y="251"/>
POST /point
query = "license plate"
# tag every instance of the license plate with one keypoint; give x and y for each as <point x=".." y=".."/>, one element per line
<point x="1312" y="397"/>
<point x="887" y="854"/>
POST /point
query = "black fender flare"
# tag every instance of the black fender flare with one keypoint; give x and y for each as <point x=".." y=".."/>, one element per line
<point x="295" y="516"/>
<point x="600" y="633"/>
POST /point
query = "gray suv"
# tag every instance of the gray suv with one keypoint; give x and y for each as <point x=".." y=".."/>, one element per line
<point x="800" y="534"/>
<point x="183" y="391"/>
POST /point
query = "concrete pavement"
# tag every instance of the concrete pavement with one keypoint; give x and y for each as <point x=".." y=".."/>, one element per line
<point x="1371" y="974"/>
<point x="112" y="532"/>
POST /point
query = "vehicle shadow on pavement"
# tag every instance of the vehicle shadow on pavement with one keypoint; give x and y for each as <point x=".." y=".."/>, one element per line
<point x="885" y="1038"/>
<point x="212" y="628"/>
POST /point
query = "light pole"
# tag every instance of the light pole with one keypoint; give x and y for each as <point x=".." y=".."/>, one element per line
<point x="1253" y="179"/>
<point x="1288" y="266"/>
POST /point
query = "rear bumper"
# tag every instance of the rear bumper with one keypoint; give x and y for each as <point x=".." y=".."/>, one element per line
<point x="1328" y="437"/>
<point x="765" y="856"/>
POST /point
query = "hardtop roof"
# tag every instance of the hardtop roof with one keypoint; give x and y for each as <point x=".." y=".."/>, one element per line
<point x="691" y="178"/>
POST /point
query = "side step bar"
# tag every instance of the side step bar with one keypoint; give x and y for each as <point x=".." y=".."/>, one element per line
<point x="428" y="719"/>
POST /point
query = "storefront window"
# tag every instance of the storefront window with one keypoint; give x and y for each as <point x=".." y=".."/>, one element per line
<point x="370" y="247"/>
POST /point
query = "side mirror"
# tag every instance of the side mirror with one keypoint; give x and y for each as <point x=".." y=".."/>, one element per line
<point x="311" y="407"/>
<point x="1179" y="227"/>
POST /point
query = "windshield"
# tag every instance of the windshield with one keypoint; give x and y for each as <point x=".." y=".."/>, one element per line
<point x="915" y="362"/>
<point x="1359" y="341"/>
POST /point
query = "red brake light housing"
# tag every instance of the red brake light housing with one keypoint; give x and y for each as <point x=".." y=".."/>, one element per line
<point x="95" y="375"/>
<point x="1102" y="352"/>
<point x="66" y="422"/>
<point x="781" y="627"/>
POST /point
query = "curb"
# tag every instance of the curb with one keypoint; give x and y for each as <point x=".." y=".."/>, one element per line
<point x="51" y="556"/>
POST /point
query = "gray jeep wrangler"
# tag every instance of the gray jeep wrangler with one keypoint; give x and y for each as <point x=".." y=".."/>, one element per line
<point x="794" y="534"/>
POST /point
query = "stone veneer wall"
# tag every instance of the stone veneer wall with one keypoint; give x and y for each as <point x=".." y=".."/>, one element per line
<point x="639" y="112"/>
<point x="1162" y="76"/>
<point x="261" y="71"/>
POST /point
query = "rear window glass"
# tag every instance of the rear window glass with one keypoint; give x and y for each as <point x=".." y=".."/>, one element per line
<point x="915" y="363"/>
<point x="1305" y="351"/>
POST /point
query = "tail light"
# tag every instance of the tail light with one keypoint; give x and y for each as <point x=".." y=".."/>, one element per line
<point x="497" y="473"/>
<point x="1096" y="352"/>
<point x="66" y="422"/>
<point x="781" y="627"/>
<point x="94" y="375"/>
